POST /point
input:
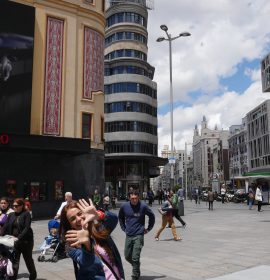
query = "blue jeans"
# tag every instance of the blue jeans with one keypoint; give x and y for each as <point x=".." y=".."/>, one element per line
<point x="250" y="203"/>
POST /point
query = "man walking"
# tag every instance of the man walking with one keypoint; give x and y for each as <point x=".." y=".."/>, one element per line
<point x="132" y="221"/>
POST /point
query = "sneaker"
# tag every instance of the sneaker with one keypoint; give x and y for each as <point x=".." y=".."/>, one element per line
<point x="178" y="239"/>
<point x="156" y="238"/>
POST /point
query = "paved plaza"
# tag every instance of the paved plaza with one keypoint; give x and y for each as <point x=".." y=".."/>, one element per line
<point x="229" y="243"/>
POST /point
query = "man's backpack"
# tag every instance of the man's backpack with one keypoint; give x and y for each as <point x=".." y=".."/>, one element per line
<point x="175" y="201"/>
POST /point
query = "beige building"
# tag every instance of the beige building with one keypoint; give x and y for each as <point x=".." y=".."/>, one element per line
<point x="51" y="98"/>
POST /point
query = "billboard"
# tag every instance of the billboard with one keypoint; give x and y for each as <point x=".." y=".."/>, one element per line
<point x="16" y="65"/>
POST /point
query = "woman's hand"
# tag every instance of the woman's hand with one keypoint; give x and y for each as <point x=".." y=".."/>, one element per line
<point x="89" y="212"/>
<point x="78" y="237"/>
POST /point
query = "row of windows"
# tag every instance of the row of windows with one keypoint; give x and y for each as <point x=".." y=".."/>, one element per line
<point x="259" y="147"/>
<point x="125" y="36"/>
<point x="130" y="126"/>
<point x="130" y="147"/>
<point x="128" y="69"/>
<point x="130" y="87"/>
<point x="126" y="17"/>
<point x="127" y="106"/>
<point x="126" y="53"/>
<point x="259" y="126"/>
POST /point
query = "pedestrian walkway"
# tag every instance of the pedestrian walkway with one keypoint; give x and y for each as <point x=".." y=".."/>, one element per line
<point x="228" y="243"/>
<point x="261" y="272"/>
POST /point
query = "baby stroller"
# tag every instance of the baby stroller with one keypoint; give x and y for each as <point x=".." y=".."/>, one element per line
<point x="6" y="257"/>
<point x="51" y="247"/>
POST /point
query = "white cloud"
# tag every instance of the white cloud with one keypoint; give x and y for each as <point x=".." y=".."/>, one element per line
<point x="223" y="111"/>
<point x="225" y="33"/>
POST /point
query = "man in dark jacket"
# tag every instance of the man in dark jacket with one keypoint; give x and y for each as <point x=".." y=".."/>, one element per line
<point x="132" y="221"/>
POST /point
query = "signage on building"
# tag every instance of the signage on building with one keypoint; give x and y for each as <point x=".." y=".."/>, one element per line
<point x="4" y="139"/>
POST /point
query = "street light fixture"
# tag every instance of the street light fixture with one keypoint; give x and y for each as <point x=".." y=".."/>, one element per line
<point x="170" y="39"/>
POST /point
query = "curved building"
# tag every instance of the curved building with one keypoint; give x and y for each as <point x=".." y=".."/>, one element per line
<point x="131" y="142"/>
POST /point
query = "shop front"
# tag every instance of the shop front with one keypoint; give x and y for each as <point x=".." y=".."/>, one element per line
<point x="43" y="168"/>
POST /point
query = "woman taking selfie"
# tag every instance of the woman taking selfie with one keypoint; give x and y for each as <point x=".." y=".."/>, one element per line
<point x="87" y="232"/>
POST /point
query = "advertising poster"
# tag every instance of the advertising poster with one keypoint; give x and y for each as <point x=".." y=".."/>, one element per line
<point x="11" y="188"/>
<point x="59" y="190"/>
<point x="16" y="66"/>
<point x="34" y="191"/>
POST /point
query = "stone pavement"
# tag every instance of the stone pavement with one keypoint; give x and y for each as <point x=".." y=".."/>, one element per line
<point x="229" y="243"/>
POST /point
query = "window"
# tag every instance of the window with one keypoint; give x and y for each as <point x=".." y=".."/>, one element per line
<point x="86" y="125"/>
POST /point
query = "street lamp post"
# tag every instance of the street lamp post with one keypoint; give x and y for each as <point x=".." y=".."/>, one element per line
<point x="170" y="39"/>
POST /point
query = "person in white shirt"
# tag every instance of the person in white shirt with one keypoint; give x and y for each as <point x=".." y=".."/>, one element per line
<point x="258" y="197"/>
<point x="223" y="192"/>
<point x="68" y="199"/>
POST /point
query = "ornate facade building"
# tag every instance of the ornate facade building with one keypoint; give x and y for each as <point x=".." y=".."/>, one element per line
<point x="51" y="100"/>
<point x="130" y="99"/>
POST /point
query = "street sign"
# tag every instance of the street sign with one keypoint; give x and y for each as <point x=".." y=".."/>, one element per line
<point x="172" y="160"/>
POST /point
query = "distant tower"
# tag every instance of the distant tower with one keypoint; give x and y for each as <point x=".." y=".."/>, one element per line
<point x="204" y="123"/>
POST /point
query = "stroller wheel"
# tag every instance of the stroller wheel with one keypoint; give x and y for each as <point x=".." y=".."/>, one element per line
<point x="54" y="259"/>
<point x="41" y="258"/>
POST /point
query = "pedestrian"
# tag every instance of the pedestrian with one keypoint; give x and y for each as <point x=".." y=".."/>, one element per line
<point x="28" y="206"/>
<point x="18" y="225"/>
<point x="160" y="196"/>
<point x="175" y="211"/>
<point x="167" y="218"/>
<point x="83" y="225"/>
<point x="68" y="199"/>
<point x="250" y="198"/>
<point x="181" y="197"/>
<point x="196" y="196"/>
<point x="223" y="192"/>
<point x="132" y="221"/>
<point x="114" y="200"/>
<point x="210" y="196"/>
<point x="106" y="202"/>
<point x="258" y="197"/>
<point x="144" y="194"/>
<point x="150" y="196"/>
<point x="97" y="198"/>
<point x="5" y="210"/>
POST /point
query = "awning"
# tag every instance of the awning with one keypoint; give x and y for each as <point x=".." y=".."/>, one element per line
<point x="257" y="175"/>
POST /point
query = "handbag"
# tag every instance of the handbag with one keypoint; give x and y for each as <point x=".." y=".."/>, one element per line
<point x="7" y="240"/>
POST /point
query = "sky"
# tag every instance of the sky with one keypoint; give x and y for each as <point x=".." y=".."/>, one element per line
<point x="216" y="71"/>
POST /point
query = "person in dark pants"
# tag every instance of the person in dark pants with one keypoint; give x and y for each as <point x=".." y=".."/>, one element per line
<point x="210" y="199"/>
<point x="223" y="192"/>
<point x="160" y="196"/>
<point x="18" y="225"/>
<point x="132" y="221"/>
<point x="175" y="211"/>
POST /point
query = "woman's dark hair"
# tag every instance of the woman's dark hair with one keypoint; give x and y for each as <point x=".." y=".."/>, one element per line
<point x="20" y="201"/>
